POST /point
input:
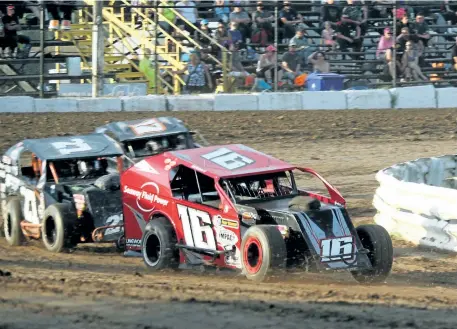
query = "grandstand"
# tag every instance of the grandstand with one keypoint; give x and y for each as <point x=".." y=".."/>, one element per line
<point x="135" y="33"/>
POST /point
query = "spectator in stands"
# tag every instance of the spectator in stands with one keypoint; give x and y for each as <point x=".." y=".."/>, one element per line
<point x="386" y="43"/>
<point x="266" y="64"/>
<point x="242" y="19"/>
<point x="348" y="35"/>
<point x="167" y="15"/>
<point x="410" y="63"/>
<point x="328" y="37"/>
<point x="403" y="38"/>
<point x="357" y="14"/>
<point x="55" y="8"/>
<point x="222" y="10"/>
<point x="235" y="35"/>
<point x="449" y="11"/>
<point x="222" y="36"/>
<point x="320" y="65"/>
<point x="11" y="26"/>
<point x="302" y="45"/>
<point x="236" y="66"/>
<point x="288" y="19"/>
<point x="263" y="19"/>
<point x="381" y="8"/>
<point x="454" y="54"/>
<point x="330" y="12"/>
<point x="202" y="40"/>
<point x="422" y="30"/>
<point x="190" y="13"/>
<point x="404" y="22"/>
<point x="198" y="79"/>
<point x="290" y="64"/>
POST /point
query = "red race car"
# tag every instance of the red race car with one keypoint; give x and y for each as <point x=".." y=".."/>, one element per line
<point x="234" y="207"/>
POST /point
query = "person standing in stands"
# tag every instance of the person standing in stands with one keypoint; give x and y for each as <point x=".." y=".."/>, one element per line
<point x="198" y="79"/>
<point x="11" y="26"/>
<point x="167" y="15"/>
<point x="54" y="9"/>
<point x="288" y="19"/>
<point x="190" y="13"/>
<point x="330" y="12"/>
<point x="242" y="19"/>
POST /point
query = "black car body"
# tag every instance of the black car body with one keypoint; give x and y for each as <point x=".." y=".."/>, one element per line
<point x="135" y="136"/>
<point x="61" y="177"/>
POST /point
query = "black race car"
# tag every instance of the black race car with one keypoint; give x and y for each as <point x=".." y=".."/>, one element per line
<point x="58" y="189"/>
<point x="146" y="137"/>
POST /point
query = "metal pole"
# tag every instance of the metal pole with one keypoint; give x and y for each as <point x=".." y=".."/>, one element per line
<point x="98" y="50"/>
<point x="394" y="52"/>
<point x="156" y="43"/>
<point x="276" y="46"/>
<point x="42" y="50"/>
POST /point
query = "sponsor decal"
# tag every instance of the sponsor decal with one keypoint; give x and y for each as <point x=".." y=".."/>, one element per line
<point x="226" y="237"/>
<point x="114" y="220"/>
<point x="148" y="191"/>
<point x="133" y="242"/>
<point x="145" y="167"/>
<point x="230" y="223"/>
<point x="148" y="127"/>
<point x="337" y="249"/>
<point x="169" y="163"/>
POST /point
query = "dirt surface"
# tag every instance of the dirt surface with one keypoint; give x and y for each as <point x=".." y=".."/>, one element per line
<point x="94" y="287"/>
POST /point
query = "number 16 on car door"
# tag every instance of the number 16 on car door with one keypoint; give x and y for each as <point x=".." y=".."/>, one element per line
<point x="206" y="229"/>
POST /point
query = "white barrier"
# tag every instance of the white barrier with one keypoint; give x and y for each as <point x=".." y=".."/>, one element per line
<point x="323" y="100"/>
<point x="144" y="103"/>
<point x="417" y="201"/>
<point x="399" y="98"/>
<point x="203" y="102"/>
<point x="417" y="97"/>
<point x="56" y="105"/>
<point x="17" y="104"/>
<point x="236" y="102"/>
<point x="368" y="99"/>
<point x="279" y="101"/>
<point x="446" y="97"/>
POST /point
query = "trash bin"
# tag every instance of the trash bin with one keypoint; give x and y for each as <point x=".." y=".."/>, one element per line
<point x="325" y="82"/>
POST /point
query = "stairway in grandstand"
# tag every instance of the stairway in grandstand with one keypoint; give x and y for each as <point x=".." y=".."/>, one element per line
<point x="127" y="35"/>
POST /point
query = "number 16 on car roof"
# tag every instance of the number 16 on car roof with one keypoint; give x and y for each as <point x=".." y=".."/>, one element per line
<point x="228" y="159"/>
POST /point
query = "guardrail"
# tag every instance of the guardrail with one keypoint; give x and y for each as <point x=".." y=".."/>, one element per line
<point x="416" y="200"/>
<point x="398" y="98"/>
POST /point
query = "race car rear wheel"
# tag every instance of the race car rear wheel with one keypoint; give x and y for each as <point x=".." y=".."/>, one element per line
<point x="262" y="250"/>
<point x="12" y="223"/>
<point x="57" y="227"/>
<point x="377" y="241"/>
<point x="158" y="245"/>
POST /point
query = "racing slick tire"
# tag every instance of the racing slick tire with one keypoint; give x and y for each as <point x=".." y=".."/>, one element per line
<point x="12" y="223"/>
<point x="158" y="245"/>
<point x="263" y="250"/>
<point x="57" y="227"/>
<point x="377" y="241"/>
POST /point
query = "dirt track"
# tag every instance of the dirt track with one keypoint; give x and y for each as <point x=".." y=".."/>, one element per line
<point x="97" y="288"/>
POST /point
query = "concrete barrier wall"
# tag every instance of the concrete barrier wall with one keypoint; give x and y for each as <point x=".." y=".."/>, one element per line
<point x="416" y="201"/>
<point x="398" y="98"/>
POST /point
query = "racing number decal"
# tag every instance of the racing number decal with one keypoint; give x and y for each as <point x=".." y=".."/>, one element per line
<point x="147" y="127"/>
<point x="30" y="210"/>
<point x="76" y="145"/>
<point x="228" y="159"/>
<point x="197" y="228"/>
<point x="337" y="249"/>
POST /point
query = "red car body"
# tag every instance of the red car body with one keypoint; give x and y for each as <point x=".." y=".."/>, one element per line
<point x="147" y="194"/>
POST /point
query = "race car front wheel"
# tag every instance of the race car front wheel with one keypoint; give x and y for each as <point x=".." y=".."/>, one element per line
<point x="12" y="223"/>
<point x="57" y="227"/>
<point x="262" y="250"/>
<point x="158" y="245"/>
<point x="377" y="241"/>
